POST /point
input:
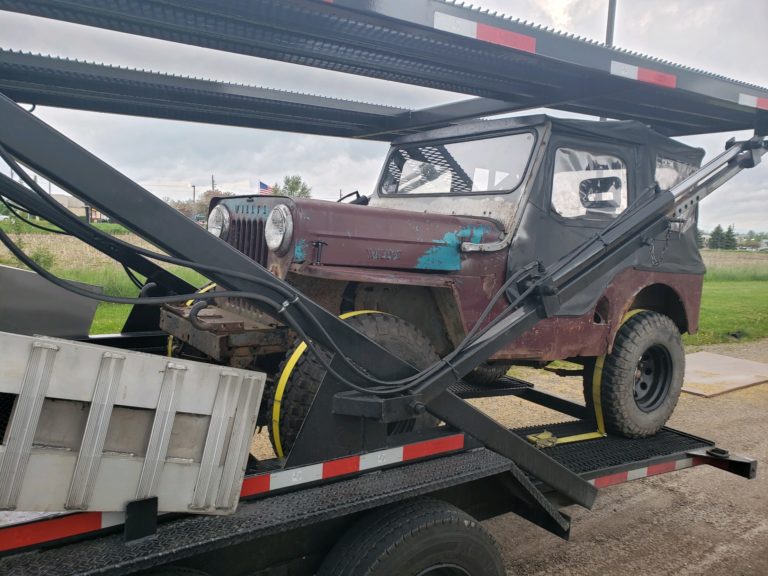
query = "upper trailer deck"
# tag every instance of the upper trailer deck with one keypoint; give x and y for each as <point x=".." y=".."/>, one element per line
<point x="511" y="65"/>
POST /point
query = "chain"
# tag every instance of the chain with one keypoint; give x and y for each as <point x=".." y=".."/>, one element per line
<point x="657" y="260"/>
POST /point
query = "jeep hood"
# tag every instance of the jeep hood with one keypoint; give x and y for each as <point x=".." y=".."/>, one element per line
<point x="330" y="233"/>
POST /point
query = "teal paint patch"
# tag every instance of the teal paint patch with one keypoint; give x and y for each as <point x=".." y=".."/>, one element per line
<point x="298" y="251"/>
<point x="447" y="254"/>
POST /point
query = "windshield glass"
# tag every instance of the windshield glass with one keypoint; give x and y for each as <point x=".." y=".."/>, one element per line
<point x="479" y="166"/>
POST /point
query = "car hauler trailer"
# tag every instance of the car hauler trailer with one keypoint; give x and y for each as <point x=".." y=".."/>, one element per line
<point x="290" y="520"/>
<point x="110" y="437"/>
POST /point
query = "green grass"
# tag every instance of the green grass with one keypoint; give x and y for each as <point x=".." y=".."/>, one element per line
<point x="111" y="228"/>
<point x="110" y="318"/>
<point x="735" y="266"/>
<point x="731" y="307"/>
<point x="757" y="273"/>
<point x="12" y="225"/>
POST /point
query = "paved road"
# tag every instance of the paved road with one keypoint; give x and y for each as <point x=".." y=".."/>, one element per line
<point x="699" y="521"/>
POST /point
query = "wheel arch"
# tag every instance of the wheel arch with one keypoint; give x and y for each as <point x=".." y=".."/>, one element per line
<point x="663" y="299"/>
<point x="432" y="305"/>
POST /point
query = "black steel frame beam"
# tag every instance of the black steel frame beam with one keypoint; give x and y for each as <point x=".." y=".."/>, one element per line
<point x="415" y="43"/>
<point x="48" y="81"/>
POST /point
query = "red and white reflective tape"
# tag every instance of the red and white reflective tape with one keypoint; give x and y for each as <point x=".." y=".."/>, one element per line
<point x="484" y="32"/>
<point x="350" y="465"/>
<point x="57" y="528"/>
<point x="62" y="526"/>
<point x="753" y="101"/>
<point x="643" y="74"/>
<point x="645" y="472"/>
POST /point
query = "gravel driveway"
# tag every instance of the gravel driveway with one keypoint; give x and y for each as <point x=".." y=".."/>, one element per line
<point x="699" y="521"/>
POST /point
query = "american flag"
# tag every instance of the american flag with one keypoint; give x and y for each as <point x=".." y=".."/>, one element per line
<point x="264" y="188"/>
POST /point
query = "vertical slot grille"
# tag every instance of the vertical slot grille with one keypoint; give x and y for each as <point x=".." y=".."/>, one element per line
<point x="248" y="237"/>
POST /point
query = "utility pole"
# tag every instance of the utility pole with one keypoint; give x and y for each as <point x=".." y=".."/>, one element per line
<point x="609" y="29"/>
<point x="611" y="22"/>
<point x="193" y="193"/>
<point x="213" y="184"/>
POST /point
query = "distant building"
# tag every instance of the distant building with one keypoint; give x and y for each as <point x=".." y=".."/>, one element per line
<point x="77" y="207"/>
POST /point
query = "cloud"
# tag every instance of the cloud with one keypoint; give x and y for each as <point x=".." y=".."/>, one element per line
<point x="167" y="156"/>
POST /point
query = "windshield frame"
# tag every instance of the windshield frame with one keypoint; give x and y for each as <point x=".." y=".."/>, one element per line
<point x="443" y="141"/>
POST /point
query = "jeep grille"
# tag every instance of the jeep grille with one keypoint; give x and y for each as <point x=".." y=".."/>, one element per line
<point x="248" y="237"/>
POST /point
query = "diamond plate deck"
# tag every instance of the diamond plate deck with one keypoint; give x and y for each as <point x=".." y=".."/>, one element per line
<point x="504" y="387"/>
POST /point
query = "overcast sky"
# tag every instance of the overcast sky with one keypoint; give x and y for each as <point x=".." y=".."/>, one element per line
<point x="167" y="157"/>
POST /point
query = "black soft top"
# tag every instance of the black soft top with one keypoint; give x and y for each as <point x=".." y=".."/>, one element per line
<point x="633" y="132"/>
<point x="624" y="131"/>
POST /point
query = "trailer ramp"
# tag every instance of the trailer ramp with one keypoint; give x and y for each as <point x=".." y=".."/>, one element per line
<point x="87" y="427"/>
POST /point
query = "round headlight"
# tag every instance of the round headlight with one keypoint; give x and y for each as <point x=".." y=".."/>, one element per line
<point x="218" y="221"/>
<point x="279" y="229"/>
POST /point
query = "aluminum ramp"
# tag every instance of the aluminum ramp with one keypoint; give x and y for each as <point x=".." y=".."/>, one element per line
<point x="86" y="427"/>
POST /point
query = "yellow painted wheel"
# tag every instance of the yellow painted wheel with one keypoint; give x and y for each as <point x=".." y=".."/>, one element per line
<point x="634" y="389"/>
<point x="300" y="375"/>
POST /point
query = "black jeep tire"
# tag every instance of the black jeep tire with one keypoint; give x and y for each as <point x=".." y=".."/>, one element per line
<point x="641" y="378"/>
<point x="416" y="538"/>
<point x="486" y="374"/>
<point x="394" y="334"/>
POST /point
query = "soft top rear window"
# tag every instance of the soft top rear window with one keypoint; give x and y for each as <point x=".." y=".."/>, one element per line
<point x="489" y="165"/>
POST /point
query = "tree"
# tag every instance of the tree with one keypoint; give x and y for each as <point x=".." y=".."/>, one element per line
<point x="292" y="186"/>
<point x="716" y="239"/>
<point x="729" y="239"/>
<point x="199" y="206"/>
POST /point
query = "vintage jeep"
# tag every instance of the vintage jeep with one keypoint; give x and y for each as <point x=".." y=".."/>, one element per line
<point x="456" y="211"/>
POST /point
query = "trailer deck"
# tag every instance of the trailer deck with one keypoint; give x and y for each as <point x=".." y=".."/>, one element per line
<point x="279" y="504"/>
<point x="508" y="65"/>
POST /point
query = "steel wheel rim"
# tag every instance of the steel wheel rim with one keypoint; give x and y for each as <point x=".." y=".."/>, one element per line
<point x="652" y="375"/>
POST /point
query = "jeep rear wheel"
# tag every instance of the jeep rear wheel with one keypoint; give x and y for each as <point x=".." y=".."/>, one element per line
<point x="304" y="378"/>
<point x="641" y="379"/>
